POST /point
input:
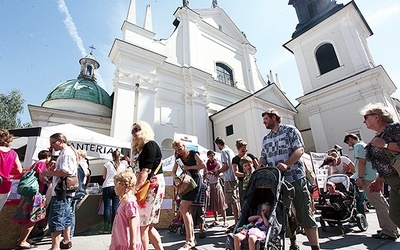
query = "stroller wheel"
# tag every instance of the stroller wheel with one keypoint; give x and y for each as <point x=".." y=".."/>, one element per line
<point x="362" y="222"/>
<point x="341" y="227"/>
<point x="171" y="228"/>
<point x="323" y="225"/>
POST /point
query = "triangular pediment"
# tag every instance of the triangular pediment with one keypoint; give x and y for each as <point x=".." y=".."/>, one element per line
<point x="273" y="94"/>
<point x="218" y="19"/>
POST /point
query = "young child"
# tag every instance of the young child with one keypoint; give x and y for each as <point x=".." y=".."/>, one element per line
<point x="247" y="164"/>
<point x="178" y="220"/>
<point x="217" y="196"/>
<point x="331" y="189"/>
<point x="126" y="227"/>
<point x="255" y="230"/>
<point x="198" y="209"/>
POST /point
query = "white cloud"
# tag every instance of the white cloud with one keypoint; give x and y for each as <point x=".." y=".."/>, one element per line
<point x="383" y="15"/>
<point x="69" y="23"/>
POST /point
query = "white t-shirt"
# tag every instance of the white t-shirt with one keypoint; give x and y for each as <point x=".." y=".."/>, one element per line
<point x="340" y="169"/>
<point x="111" y="172"/>
<point x="66" y="162"/>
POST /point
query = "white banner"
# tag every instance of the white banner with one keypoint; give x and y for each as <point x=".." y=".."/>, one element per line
<point x="191" y="141"/>
<point x="321" y="173"/>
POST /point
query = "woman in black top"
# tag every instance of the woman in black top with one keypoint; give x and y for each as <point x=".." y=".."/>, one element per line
<point x="148" y="159"/>
<point x="191" y="163"/>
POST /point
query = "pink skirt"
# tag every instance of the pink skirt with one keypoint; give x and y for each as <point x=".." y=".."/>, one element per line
<point x="217" y="198"/>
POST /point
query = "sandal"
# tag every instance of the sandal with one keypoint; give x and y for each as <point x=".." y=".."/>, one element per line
<point x="383" y="236"/>
<point x="202" y="235"/>
<point x="230" y="229"/>
<point x="65" y="245"/>
<point x="215" y="223"/>
<point x="225" y="224"/>
<point x="25" y="247"/>
<point x="294" y="247"/>
<point x="187" y="245"/>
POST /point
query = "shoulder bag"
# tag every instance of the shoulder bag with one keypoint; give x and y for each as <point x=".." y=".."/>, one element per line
<point x="28" y="184"/>
<point x="72" y="183"/>
<point x="184" y="183"/>
<point x="394" y="158"/>
<point x="141" y="193"/>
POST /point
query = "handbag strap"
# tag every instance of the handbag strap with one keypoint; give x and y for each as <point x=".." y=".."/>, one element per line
<point x="156" y="171"/>
<point x="181" y="180"/>
<point x="389" y="152"/>
<point x="158" y="168"/>
<point x="33" y="168"/>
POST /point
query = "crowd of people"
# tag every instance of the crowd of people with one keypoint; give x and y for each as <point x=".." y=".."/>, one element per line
<point x="132" y="225"/>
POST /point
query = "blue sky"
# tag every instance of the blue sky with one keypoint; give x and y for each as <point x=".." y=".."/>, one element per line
<point x="41" y="42"/>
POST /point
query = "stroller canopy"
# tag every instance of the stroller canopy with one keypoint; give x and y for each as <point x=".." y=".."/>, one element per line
<point x="341" y="181"/>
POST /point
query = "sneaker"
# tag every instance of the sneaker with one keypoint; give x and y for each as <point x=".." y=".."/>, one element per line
<point x="383" y="236"/>
<point x="187" y="245"/>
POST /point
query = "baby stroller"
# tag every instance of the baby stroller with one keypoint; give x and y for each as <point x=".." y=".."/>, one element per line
<point x="266" y="185"/>
<point x="200" y="202"/>
<point x="335" y="211"/>
<point x="177" y="224"/>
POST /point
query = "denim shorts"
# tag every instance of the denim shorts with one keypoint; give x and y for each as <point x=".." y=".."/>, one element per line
<point x="60" y="214"/>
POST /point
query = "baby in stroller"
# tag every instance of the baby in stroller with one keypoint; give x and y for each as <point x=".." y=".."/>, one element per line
<point x="255" y="230"/>
<point x="338" y="204"/>
<point x="331" y="187"/>
<point x="177" y="222"/>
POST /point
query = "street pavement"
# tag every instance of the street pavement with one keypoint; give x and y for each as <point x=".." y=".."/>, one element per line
<point x="215" y="239"/>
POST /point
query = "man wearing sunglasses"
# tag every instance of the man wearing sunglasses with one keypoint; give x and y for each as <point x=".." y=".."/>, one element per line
<point x="61" y="215"/>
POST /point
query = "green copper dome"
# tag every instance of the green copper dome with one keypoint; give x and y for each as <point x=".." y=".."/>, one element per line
<point x="81" y="89"/>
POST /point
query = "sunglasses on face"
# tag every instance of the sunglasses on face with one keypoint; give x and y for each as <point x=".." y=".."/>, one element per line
<point x="51" y="143"/>
<point x="135" y="130"/>
<point x="366" y="116"/>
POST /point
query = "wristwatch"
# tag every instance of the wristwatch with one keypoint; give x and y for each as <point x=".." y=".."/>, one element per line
<point x="386" y="145"/>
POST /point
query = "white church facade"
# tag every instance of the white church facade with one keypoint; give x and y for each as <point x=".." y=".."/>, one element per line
<point x="204" y="81"/>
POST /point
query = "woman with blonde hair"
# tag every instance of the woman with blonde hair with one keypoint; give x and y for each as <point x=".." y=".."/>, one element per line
<point x="148" y="166"/>
<point x="9" y="161"/>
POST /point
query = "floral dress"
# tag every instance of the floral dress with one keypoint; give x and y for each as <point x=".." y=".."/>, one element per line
<point x="150" y="157"/>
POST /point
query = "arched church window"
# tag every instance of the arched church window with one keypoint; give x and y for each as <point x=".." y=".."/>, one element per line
<point x="224" y="74"/>
<point x="326" y="58"/>
<point x="89" y="70"/>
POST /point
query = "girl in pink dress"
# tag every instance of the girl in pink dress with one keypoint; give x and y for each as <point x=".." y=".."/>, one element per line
<point x="126" y="228"/>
